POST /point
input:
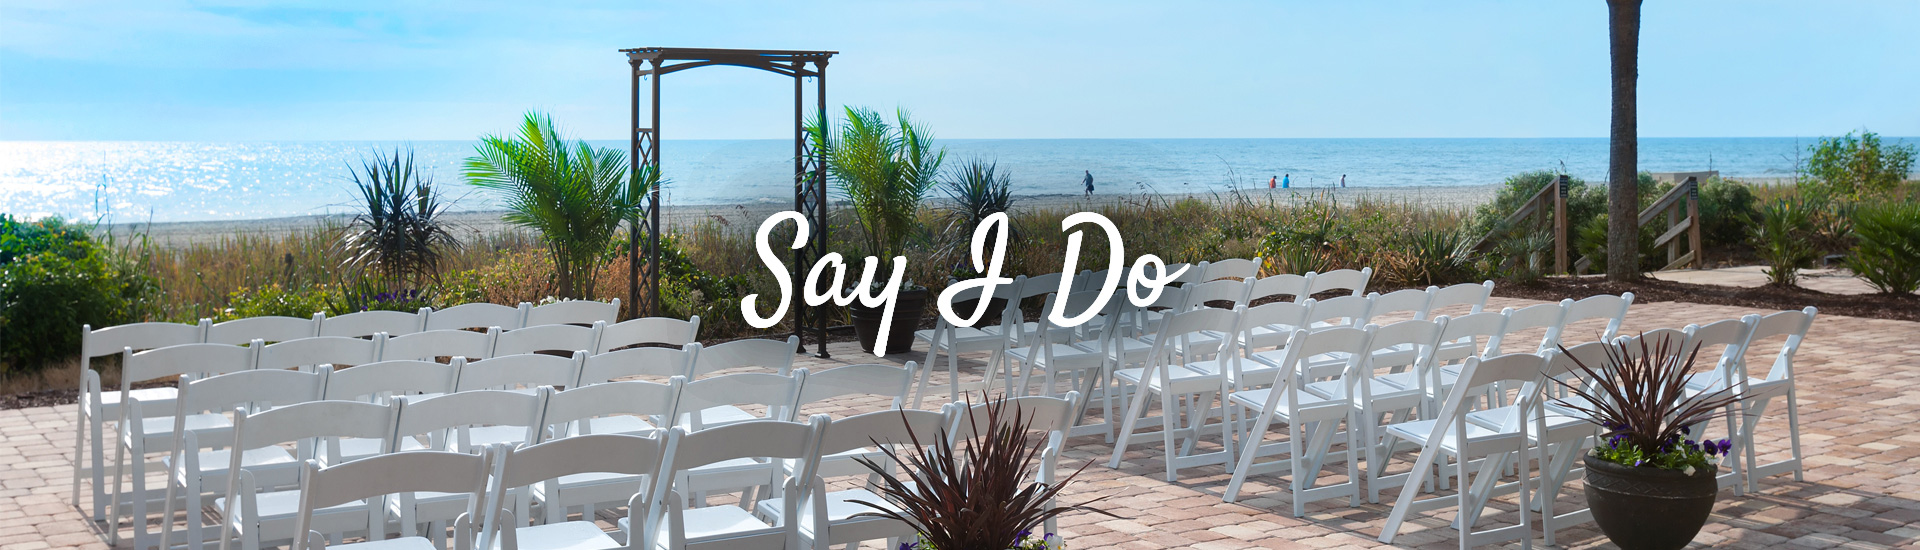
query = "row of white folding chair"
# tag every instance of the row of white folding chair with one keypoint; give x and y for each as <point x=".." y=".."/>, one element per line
<point x="1756" y="392"/>
<point x="1303" y="286"/>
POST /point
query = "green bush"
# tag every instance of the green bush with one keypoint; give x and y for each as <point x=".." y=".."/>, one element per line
<point x="1726" y="210"/>
<point x="1849" y="166"/>
<point x="277" y="301"/>
<point x="1590" y="241"/>
<point x="1888" y="253"/>
<point x="1783" y="239"/>
<point x="1425" y="255"/>
<point x="55" y="278"/>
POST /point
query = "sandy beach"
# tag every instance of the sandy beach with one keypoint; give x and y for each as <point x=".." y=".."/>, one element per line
<point x="473" y="224"/>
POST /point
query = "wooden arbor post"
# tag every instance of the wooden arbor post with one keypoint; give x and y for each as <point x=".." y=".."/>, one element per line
<point x="809" y="169"/>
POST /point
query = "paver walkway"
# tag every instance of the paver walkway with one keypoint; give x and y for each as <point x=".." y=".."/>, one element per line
<point x="1828" y="280"/>
<point x="1860" y="398"/>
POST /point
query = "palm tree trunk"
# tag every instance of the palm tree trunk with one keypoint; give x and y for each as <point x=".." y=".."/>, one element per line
<point x="1623" y="148"/>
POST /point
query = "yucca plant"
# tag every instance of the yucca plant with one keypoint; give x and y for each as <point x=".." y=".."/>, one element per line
<point x="1432" y="256"/>
<point x="884" y="169"/>
<point x="978" y="189"/>
<point x="1640" y="398"/>
<point x="1782" y="239"/>
<point x="401" y="235"/>
<point x="574" y="194"/>
<point x="1888" y="253"/>
<point x="977" y="497"/>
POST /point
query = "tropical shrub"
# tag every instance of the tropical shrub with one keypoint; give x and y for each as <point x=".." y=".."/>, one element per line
<point x="574" y="194"/>
<point x="53" y="279"/>
<point x="883" y="169"/>
<point x="1522" y="258"/>
<point x="1888" y="253"/>
<point x="978" y="189"/>
<point x="1782" y="239"/>
<point x="1726" y="210"/>
<point x="1425" y="255"/>
<point x="1850" y="166"/>
<point x="401" y="233"/>
<point x="1590" y="241"/>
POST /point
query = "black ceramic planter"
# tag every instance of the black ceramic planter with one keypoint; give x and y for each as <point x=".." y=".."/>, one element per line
<point x="1645" y="508"/>
<point x="906" y="318"/>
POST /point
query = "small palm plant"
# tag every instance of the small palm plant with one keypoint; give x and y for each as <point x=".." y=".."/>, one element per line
<point x="574" y="194"/>
<point x="976" y="497"/>
<point x="1783" y="239"/>
<point x="401" y="236"/>
<point x="883" y="168"/>
<point x="1640" y="398"/>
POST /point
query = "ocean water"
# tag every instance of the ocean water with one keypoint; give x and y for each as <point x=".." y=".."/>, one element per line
<point x="189" y="181"/>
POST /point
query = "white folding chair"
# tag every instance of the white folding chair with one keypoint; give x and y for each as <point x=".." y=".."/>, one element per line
<point x="542" y="473"/>
<point x="1232" y="268"/>
<point x="1450" y="434"/>
<point x="1757" y="392"/>
<point x="262" y="500"/>
<point x="1341" y="279"/>
<point x="1035" y="286"/>
<point x="649" y="330"/>
<point x="1311" y="419"/>
<point x="97" y="407"/>
<point x="710" y="402"/>
<point x="1728" y="340"/>
<point x="775" y="356"/>
<point x="466" y="422"/>
<point x="834" y="521"/>
<point x="662" y="363"/>
<point x="627" y="408"/>
<point x="681" y="526"/>
<point x="1057" y="354"/>
<point x="269" y="328"/>
<point x="1286" y="284"/>
<point x="1177" y="379"/>
<point x="1543" y="317"/>
<point x="378" y="382"/>
<point x="521" y="373"/>
<point x="954" y="340"/>
<point x="1401" y="348"/>
<point x="306" y="353"/>
<point x="1607" y="309"/>
<point x="194" y="468"/>
<point x="1344" y="311"/>
<point x="1447" y="300"/>
<point x="478" y="315"/>
<point x="1268" y="326"/>
<point x="552" y="337"/>
<point x="868" y="381"/>
<point x="574" y="312"/>
<point x="1408" y="303"/>
<point x="149" y="428"/>
<point x="368" y="323"/>
<point x="364" y="483"/>
<point x="430" y="344"/>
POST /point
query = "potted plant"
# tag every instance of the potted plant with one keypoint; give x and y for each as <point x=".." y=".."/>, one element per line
<point x="1648" y="484"/>
<point x="981" y="496"/>
<point x="883" y="169"/>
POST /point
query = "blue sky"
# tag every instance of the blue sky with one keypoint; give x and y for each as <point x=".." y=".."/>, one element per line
<point x="246" y="70"/>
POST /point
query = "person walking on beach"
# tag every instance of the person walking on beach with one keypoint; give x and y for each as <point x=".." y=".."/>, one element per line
<point x="1343" y="181"/>
<point x="1089" y="181"/>
<point x="1271" y="182"/>
<point x="1286" y="181"/>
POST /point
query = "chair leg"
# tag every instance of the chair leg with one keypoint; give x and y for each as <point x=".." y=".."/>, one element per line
<point x="1126" y="429"/>
<point x="1169" y="410"/>
<point x="80" y="448"/>
<point x="1793" y="431"/>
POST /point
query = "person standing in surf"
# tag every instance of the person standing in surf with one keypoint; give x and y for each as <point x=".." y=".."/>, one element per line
<point x="1089" y="182"/>
<point x="1286" y="181"/>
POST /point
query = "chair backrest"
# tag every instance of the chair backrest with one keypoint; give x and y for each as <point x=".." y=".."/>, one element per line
<point x="1097" y="280"/>
<point x="776" y="393"/>
<point x="1726" y="337"/>
<point x="549" y="337"/>
<point x="1791" y="324"/>
<point x="139" y="337"/>
<point x="526" y="370"/>
<point x="769" y="440"/>
<point x="254" y="389"/>
<point x="566" y="409"/>
<point x="1232" y="268"/>
<point x="301" y="423"/>
<point x="1406" y="345"/>
<point x="1482" y="329"/>
<point x="172" y="361"/>
<point x="1674" y="342"/>
<point x="428" y="344"/>
<point x="649" y="330"/>
<point x="574" y="312"/>
<point x="772" y="355"/>
<point x="886" y="381"/>
<point x="1223" y="290"/>
<point x="1476" y="373"/>
<point x="1471" y="295"/>
<point x="1412" y="302"/>
<point x="1039" y="413"/>
<point x="1344" y="311"/>
<point x="1563" y="365"/>
<point x="1605" y="307"/>
<point x="272" y="328"/>
<point x="369" y="323"/>
<point x="660" y="362"/>
<point x="1281" y="316"/>
<point x="1285" y="284"/>
<point x="1351" y="343"/>
<point x="1039" y="285"/>
<point x="377" y="382"/>
<point x="1545" y="317"/>
<point x="480" y="315"/>
<point x="889" y="427"/>
<point x="306" y="353"/>
<point x="1181" y="327"/>
<point x="586" y="454"/>
<point x="434" y="416"/>
<point x="385" y="475"/>
<point x="1341" y="279"/>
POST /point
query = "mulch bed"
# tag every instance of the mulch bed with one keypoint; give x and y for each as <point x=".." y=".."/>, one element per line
<point x="1876" y="306"/>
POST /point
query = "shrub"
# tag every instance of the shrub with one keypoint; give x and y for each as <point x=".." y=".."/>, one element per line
<point x="273" y="299"/>
<point x="978" y="190"/>
<point x="1888" y="253"/>
<point x="1849" y="166"/>
<point x="1521" y="258"/>
<point x="1590" y="240"/>
<point x="883" y="169"/>
<point x="400" y="235"/>
<point x="1782" y="239"/>
<point x="1424" y="255"/>
<point x="54" y="279"/>
<point x="1726" y="210"/>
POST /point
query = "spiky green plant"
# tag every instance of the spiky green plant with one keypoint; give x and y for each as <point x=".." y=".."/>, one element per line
<point x="401" y="235"/>
<point x="978" y="189"/>
<point x="574" y="194"/>
<point x="1782" y="239"/>
<point x="977" y="496"/>
<point x="1888" y="253"/>
<point x="884" y="169"/>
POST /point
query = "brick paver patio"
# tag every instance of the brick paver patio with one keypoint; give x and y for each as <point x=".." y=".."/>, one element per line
<point x="1860" y="396"/>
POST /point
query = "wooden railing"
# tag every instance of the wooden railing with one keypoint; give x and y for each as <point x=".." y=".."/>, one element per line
<point x="1549" y="205"/>
<point x="1684" y="196"/>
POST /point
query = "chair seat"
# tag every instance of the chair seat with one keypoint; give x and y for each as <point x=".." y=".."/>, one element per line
<point x="622" y="424"/>
<point x="284" y="505"/>
<point x="406" y="543"/>
<point x="149" y="397"/>
<point x="711" y="522"/>
<point x="1310" y="405"/>
<point x="1417" y="431"/>
<point x="718" y="416"/>
<point x="357" y="448"/>
<point x="572" y="535"/>
<point x="213" y="464"/>
<point x="964" y="338"/>
<point x="481" y="436"/>
<point x="1185" y="380"/>
<point x="840" y="505"/>
<point x="1072" y="354"/>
